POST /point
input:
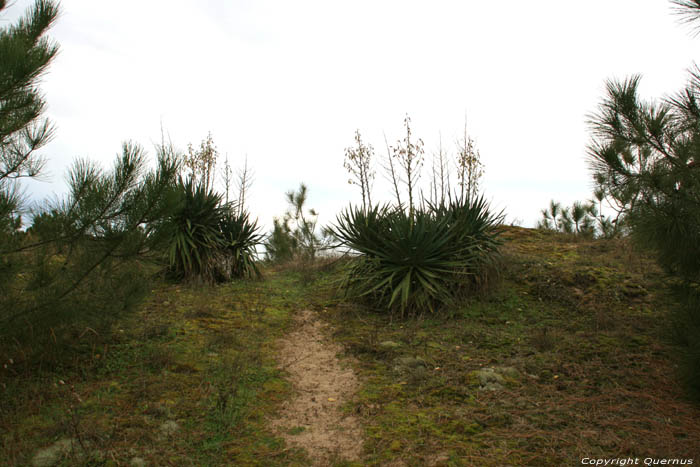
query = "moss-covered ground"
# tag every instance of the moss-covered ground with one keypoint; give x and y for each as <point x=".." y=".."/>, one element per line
<point x="584" y="325"/>
<point x="201" y="357"/>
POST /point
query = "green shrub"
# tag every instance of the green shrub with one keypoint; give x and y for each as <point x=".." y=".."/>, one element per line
<point x="294" y="237"/>
<point x="195" y="238"/>
<point x="281" y="246"/>
<point x="412" y="264"/>
<point x="208" y="240"/>
<point x="86" y="258"/>
<point x="241" y="236"/>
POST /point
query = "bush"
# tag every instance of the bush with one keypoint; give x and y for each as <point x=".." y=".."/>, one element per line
<point x="241" y="236"/>
<point x="412" y="264"/>
<point x="294" y="237"/>
<point x="195" y="237"/>
<point x="208" y="240"/>
<point x="86" y="259"/>
<point x="281" y="246"/>
<point x="584" y="219"/>
<point x="644" y="157"/>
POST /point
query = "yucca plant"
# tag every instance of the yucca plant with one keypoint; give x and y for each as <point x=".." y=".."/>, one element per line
<point x="241" y="236"/>
<point x="412" y="264"/>
<point x="195" y="236"/>
<point x="475" y="225"/>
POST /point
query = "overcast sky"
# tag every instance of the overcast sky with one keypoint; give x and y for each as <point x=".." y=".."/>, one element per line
<point x="288" y="82"/>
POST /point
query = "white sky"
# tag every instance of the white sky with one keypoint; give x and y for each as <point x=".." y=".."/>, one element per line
<point x="287" y="83"/>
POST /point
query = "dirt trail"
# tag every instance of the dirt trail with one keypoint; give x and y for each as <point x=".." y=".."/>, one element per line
<point x="313" y="419"/>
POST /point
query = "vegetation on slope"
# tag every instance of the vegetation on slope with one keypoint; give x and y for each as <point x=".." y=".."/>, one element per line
<point x="577" y="333"/>
<point x="576" y="328"/>
<point x="189" y="379"/>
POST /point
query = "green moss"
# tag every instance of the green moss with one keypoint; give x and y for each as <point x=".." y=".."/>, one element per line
<point x="579" y="322"/>
<point x="561" y="317"/>
<point x="199" y="355"/>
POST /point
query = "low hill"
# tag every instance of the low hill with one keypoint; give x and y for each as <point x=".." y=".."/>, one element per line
<point x="565" y="359"/>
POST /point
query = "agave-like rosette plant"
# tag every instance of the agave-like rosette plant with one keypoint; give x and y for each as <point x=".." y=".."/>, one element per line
<point x="418" y="263"/>
<point x="241" y="237"/>
<point x="475" y="224"/>
<point x="195" y="238"/>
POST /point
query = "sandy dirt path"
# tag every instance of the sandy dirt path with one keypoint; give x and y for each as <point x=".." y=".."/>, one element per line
<point x="313" y="418"/>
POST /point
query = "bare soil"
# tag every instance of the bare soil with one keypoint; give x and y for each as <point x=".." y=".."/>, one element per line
<point x="313" y="419"/>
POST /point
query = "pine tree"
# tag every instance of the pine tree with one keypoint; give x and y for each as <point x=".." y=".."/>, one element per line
<point x="25" y="54"/>
<point x="82" y="260"/>
<point x="645" y="157"/>
<point x="294" y="236"/>
<point x="85" y="258"/>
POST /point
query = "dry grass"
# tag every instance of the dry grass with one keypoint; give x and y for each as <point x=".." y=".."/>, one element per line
<point x="583" y="322"/>
<point x="198" y="356"/>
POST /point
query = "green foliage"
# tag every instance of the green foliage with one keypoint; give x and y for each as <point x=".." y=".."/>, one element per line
<point x="294" y="236"/>
<point x="208" y="240"/>
<point x="281" y="246"/>
<point x="25" y="55"/>
<point x="85" y="258"/>
<point x="241" y="236"/>
<point x="194" y="232"/>
<point x="644" y="158"/>
<point x="416" y="264"/>
<point x="581" y="219"/>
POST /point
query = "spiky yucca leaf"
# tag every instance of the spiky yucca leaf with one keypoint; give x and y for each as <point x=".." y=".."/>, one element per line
<point x="241" y="236"/>
<point x="411" y="264"/>
<point x="194" y="232"/>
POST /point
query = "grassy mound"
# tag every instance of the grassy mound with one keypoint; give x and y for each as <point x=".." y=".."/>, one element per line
<point x="566" y="359"/>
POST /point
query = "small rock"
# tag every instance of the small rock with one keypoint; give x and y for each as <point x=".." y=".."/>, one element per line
<point x="169" y="428"/>
<point x="411" y="362"/>
<point x="414" y="367"/>
<point x="53" y="454"/>
<point x="508" y="372"/>
<point x="487" y="376"/>
<point x="493" y="379"/>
